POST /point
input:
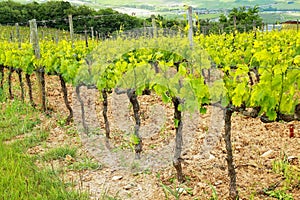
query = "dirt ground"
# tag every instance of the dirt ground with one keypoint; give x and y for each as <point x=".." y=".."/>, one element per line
<point x="256" y="146"/>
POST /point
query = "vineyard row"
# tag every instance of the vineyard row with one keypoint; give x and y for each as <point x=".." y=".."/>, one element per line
<point x="257" y="74"/>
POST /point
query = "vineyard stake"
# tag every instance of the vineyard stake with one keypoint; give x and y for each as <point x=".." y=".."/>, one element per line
<point x="154" y="26"/>
<point x="190" y="34"/>
<point x="71" y="29"/>
<point x="18" y="35"/>
<point x="34" y="39"/>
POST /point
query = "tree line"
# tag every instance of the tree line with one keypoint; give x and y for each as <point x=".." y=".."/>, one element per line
<point x="54" y="14"/>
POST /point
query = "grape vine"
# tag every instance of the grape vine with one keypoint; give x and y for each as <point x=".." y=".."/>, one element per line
<point x="260" y="76"/>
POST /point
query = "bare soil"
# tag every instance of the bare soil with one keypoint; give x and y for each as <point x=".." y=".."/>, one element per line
<point x="256" y="146"/>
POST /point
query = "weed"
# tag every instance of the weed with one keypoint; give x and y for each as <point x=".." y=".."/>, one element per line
<point x="135" y="166"/>
<point x="279" y="194"/>
<point x="60" y="153"/>
<point x="72" y="131"/>
<point x="175" y="192"/>
<point x="172" y="180"/>
<point x="105" y="195"/>
<point x="214" y="195"/>
<point x="35" y="139"/>
<point x="290" y="174"/>
<point x="87" y="163"/>
<point x="290" y="178"/>
<point x="147" y="171"/>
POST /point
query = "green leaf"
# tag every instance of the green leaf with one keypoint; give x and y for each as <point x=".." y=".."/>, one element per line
<point x="271" y="114"/>
<point x="139" y="91"/>
<point x="165" y="98"/>
<point x="238" y="95"/>
<point x="203" y="110"/>
<point x="179" y="107"/>
<point x="176" y="123"/>
<point x="134" y="139"/>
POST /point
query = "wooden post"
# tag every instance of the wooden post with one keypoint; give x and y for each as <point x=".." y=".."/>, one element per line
<point x="154" y="26"/>
<point x="11" y="37"/>
<point x="18" y="35"/>
<point x="71" y="29"/>
<point x="34" y="38"/>
<point x="62" y="81"/>
<point x="56" y="37"/>
<point x="43" y="35"/>
<point x="86" y="37"/>
<point x="222" y="28"/>
<point x="19" y="71"/>
<point x="190" y="22"/>
<point x="145" y="30"/>
<point x="97" y="36"/>
<point x="254" y="25"/>
<point x="92" y="32"/>
<point x="297" y="25"/>
<point x="205" y="30"/>
<point x="234" y="23"/>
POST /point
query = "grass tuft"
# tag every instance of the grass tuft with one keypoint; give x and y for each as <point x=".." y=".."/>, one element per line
<point x="60" y="153"/>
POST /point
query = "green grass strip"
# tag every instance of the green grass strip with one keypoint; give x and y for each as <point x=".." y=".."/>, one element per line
<point x="20" y="177"/>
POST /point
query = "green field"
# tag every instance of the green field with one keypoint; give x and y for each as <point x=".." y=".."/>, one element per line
<point x="271" y="18"/>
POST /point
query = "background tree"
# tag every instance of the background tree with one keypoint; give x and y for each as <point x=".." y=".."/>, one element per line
<point x="163" y="22"/>
<point x="244" y="19"/>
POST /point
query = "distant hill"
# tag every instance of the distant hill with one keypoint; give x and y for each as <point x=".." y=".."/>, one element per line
<point x="209" y="4"/>
<point x="271" y="10"/>
<point x="173" y="4"/>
